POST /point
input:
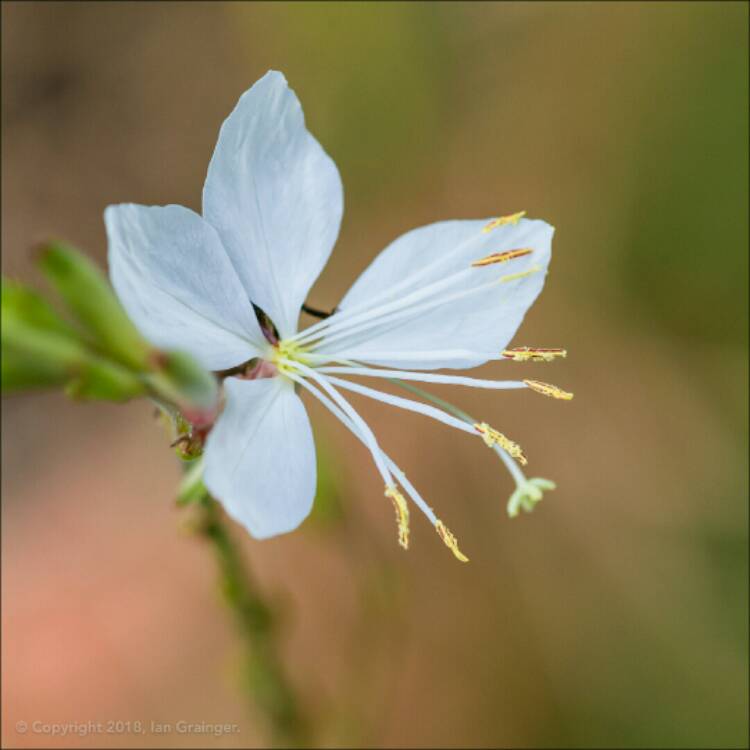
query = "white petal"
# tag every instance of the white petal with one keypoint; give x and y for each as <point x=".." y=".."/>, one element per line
<point x="480" y="322"/>
<point x="420" y="256"/>
<point x="260" y="456"/>
<point x="275" y="197"/>
<point x="178" y="285"/>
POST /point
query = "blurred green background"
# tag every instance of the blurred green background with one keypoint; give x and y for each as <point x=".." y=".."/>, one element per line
<point x="616" y="614"/>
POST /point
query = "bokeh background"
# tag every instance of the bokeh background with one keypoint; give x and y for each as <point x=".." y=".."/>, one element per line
<point x="613" y="616"/>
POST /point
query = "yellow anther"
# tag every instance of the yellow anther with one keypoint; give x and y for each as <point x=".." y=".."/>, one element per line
<point x="502" y="257"/>
<point x="548" y="390"/>
<point x="492" y="437"/>
<point x="531" y="353"/>
<point x="402" y="514"/>
<point x="450" y="541"/>
<point x="503" y="220"/>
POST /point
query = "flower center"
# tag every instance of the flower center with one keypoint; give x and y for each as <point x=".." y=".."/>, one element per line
<point x="285" y="352"/>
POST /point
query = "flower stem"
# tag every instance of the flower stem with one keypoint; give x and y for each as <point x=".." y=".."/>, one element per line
<point x="263" y="673"/>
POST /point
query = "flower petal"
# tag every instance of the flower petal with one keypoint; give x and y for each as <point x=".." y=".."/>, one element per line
<point x="260" y="456"/>
<point x="275" y="197"/>
<point x="178" y="285"/>
<point x="481" y="321"/>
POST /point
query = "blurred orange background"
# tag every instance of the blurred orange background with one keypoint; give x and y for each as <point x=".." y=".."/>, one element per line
<point x="616" y="614"/>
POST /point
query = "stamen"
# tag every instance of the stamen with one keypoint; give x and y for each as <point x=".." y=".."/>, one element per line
<point x="350" y="425"/>
<point x="402" y="514"/>
<point x="350" y="412"/>
<point x="503" y="220"/>
<point x="502" y="257"/>
<point x="450" y="541"/>
<point x="548" y="390"/>
<point x="492" y="438"/>
<point x="532" y="353"/>
<point x="403" y="403"/>
<point x="423" y="377"/>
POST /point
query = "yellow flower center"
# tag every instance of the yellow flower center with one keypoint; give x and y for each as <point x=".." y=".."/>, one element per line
<point x="288" y="351"/>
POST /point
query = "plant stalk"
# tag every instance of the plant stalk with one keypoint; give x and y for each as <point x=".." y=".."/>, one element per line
<point x="263" y="675"/>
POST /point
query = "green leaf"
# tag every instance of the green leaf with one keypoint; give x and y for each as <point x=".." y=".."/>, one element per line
<point x="87" y="292"/>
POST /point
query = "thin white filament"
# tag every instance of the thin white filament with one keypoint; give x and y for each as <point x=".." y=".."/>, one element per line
<point x="423" y="377"/>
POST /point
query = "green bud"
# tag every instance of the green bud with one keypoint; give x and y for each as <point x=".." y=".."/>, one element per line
<point x="46" y="347"/>
<point x="19" y="302"/>
<point x="103" y="380"/>
<point x="21" y="370"/>
<point x="87" y="292"/>
<point x="35" y="357"/>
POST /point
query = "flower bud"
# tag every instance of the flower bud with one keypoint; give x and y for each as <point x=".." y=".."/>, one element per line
<point x="87" y="292"/>
<point x="34" y="357"/>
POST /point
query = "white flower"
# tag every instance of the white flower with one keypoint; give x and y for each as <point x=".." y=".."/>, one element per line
<point x="228" y="287"/>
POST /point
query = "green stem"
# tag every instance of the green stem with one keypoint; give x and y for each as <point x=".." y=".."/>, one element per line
<point x="263" y="672"/>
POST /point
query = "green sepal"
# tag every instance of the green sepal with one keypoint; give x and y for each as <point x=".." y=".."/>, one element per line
<point x="88" y="294"/>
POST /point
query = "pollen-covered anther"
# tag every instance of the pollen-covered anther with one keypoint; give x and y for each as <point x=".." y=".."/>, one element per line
<point x="535" y="354"/>
<point x="503" y="257"/>
<point x="493" y="437"/>
<point x="402" y="514"/>
<point x="503" y="220"/>
<point x="450" y="541"/>
<point x="546" y="389"/>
